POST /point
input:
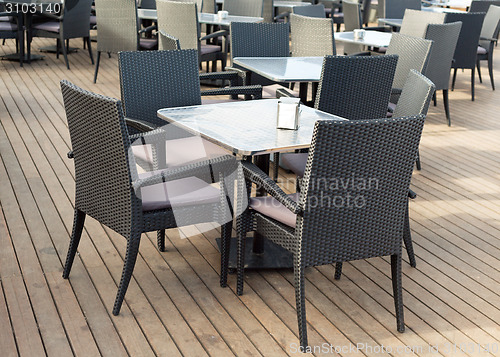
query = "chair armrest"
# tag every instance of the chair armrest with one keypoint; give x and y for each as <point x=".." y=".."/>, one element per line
<point x="488" y="39"/>
<point x="140" y="125"/>
<point x="148" y="29"/>
<point x="231" y="76"/>
<point x="241" y="73"/>
<point x="255" y="91"/>
<point x="257" y="176"/>
<point x="194" y="169"/>
<point x="215" y="34"/>
<point x="51" y="16"/>
<point x="283" y="15"/>
<point x="282" y="92"/>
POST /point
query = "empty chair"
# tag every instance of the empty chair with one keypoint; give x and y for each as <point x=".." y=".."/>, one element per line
<point x="110" y="190"/>
<point x="180" y="20"/>
<point x="167" y="42"/>
<point x="311" y="11"/>
<point x="13" y="30"/>
<point x="482" y="5"/>
<point x="487" y="40"/>
<point x="365" y="11"/>
<point x="318" y="226"/>
<point x="147" y="4"/>
<point x="413" y="53"/>
<point x="395" y="9"/>
<point x="74" y="22"/>
<point x="209" y="7"/>
<point x="244" y="7"/>
<point x="311" y="36"/>
<point x="119" y="32"/>
<point x="415" y="22"/>
<point x="466" y="50"/>
<point x="445" y="37"/>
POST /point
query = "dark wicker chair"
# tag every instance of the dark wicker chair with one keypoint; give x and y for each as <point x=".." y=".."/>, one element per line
<point x="74" y="22"/>
<point x="482" y="5"/>
<point x="487" y="41"/>
<point x="244" y="7"/>
<point x="109" y="189"/>
<point x="465" y="56"/>
<point x="13" y="30"/>
<point x="445" y="37"/>
<point x="310" y="11"/>
<point x="395" y="9"/>
<point x="331" y="229"/>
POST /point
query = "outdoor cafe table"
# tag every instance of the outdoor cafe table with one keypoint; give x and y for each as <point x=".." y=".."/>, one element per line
<point x="203" y="18"/>
<point x="371" y="39"/>
<point x="285" y="69"/>
<point x="248" y="128"/>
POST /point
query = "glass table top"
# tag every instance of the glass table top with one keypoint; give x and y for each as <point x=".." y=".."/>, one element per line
<point x="372" y="38"/>
<point x="246" y="127"/>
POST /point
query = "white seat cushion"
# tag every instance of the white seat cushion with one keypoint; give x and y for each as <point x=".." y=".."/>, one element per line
<point x="271" y="207"/>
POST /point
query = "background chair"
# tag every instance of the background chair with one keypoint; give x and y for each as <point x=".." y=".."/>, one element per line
<point x="482" y="5"/>
<point x="465" y="56"/>
<point x="311" y="36"/>
<point x="395" y="9"/>
<point x="311" y="11"/>
<point x="13" y="30"/>
<point x="180" y="20"/>
<point x="73" y="22"/>
<point x="244" y="7"/>
<point x="445" y="37"/>
<point x="413" y="53"/>
<point x="415" y="22"/>
<point x="118" y="29"/>
<point x="167" y="42"/>
<point x="487" y="41"/>
<point x="333" y="231"/>
<point x="109" y="189"/>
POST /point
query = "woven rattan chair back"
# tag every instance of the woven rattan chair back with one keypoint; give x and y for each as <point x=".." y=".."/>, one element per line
<point x="151" y="80"/>
<point x="118" y="27"/>
<point x="311" y="11"/>
<point x="413" y="53"/>
<point x="167" y="42"/>
<point x="259" y="39"/>
<point x="100" y="144"/>
<point x="76" y="18"/>
<point x="148" y="4"/>
<point x="365" y="11"/>
<point x="244" y="7"/>
<point x="352" y="21"/>
<point x="415" y="97"/>
<point x="180" y="20"/>
<point x="369" y="161"/>
<point x="482" y="5"/>
<point x="311" y="36"/>
<point x="209" y="7"/>
<point x="395" y="9"/>
<point x="445" y="37"/>
<point x="356" y="87"/>
<point x="415" y="22"/>
<point x="466" y="49"/>
<point x="490" y="25"/>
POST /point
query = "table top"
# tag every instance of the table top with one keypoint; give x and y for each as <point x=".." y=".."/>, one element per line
<point x="449" y="3"/>
<point x="391" y="22"/>
<point x="289" y="4"/>
<point x="203" y="18"/>
<point x="247" y="127"/>
<point x="441" y="9"/>
<point x="372" y="38"/>
<point x="284" y="69"/>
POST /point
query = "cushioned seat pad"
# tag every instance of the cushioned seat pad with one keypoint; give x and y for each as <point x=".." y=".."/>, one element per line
<point x="295" y="162"/>
<point x="481" y="50"/>
<point x="209" y="49"/>
<point x="177" y="193"/>
<point x="50" y="26"/>
<point x="271" y="207"/>
<point x="148" y="43"/>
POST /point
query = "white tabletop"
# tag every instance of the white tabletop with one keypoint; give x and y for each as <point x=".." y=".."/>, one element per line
<point x="372" y="38"/>
<point x="284" y="69"/>
<point x="441" y="9"/>
<point x="391" y="22"/>
<point x="203" y="18"/>
<point x="290" y="4"/>
<point x="449" y="3"/>
<point x="246" y="127"/>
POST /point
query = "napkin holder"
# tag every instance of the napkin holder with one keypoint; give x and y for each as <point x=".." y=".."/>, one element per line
<point x="288" y="113"/>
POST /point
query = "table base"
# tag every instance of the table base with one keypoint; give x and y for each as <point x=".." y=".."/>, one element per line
<point x="15" y="57"/>
<point x="274" y="256"/>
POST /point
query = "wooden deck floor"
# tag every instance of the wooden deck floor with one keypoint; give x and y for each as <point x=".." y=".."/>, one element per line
<point x="174" y="305"/>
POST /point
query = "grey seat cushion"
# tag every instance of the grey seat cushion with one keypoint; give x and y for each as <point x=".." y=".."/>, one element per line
<point x="481" y="50"/>
<point x="50" y="26"/>
<point x="271" y="207"/>
<point x="181" y="151"/>
<point x="209" y="49"/>
<point x="295" y="162"/>
<point x="7" y="26"/>
<point x="148" y="43"/>
<point x="177" y="193"/>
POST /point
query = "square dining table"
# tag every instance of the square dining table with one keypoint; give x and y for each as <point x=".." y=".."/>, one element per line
<point x="285" y="69"/>
<point x="371" y="39"/>
<point x="248" y="129"/>
<point x="203" y="18"/>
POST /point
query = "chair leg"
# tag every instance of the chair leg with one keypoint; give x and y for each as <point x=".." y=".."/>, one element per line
<point x="446" y="106"/>
<point x="417" y="161"/>
<point x="128" y="268"/>
<point x="338" y="270"/>
<point x="490" y="69"/>
<point x="78" y="222"/>
<point x="397" y="288"/>
<point x="160" y="240"/>
<point x="87" y="39"/>
<point x="434" y="98"/>
<point x="300" y="300"/>
<point x="224" y="254"/>
<point x="240" y="268"/>
<point x="58" y="47"/>
<point x="97" y="65"/>
<point x="276" y="165"/>
<point x="478" y="67"/>
<point x="453" y="80"/>
<point x="408" y="241"/>
<point x="472" y="80"/>
<point x="65" y="51"/>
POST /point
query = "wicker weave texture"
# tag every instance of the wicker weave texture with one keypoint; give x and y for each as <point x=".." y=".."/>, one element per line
<point x="244" y="7"/>
<point x="312" y="36"/>
<point x="167" y="42"/>
<point x="490" y="25"/>
<point x="466" y="49"/>
<point x="415" y="22"/>
<point x="356" y="87"/>
<point x="117" y="23"/>
<point x="445" y="37"/>
<point x="179" y="20"/>
<point x="311" y="11"/>
<point x="259" y="39"/>
<point x="413" y="53"/>
<point x="395" y="9"/>
<point x="482" y="5"/>
<point x="416" y="96"/>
